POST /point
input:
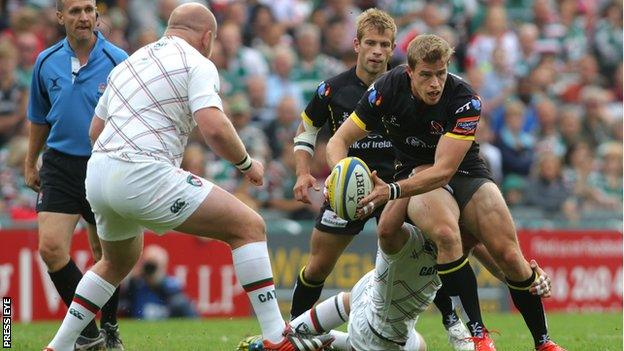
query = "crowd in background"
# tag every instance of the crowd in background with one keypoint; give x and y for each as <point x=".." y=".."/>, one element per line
<point x="549" y="73"/>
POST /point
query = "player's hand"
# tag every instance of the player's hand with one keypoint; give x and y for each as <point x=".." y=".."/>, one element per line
<point x="300" y="190"/>
<point x="541" y="286"/>
<point x="255" y="174"/>
<point x="31" y="177"/>
<point x="376" y="198"/>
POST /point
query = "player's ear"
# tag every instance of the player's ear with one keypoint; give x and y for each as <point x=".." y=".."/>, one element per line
<point x="356" y="45"/>
<point x="59" y="17"/>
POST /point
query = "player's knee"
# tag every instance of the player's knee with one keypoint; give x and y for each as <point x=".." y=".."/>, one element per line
<point x="53" y="254"/>
<point x="446" y="237"/>
<point x="251" y="229"/>
<point x="387" y="230"/>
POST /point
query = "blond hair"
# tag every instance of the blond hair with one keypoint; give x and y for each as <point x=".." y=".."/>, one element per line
<point x="376" y="19"/>
<point x="428" y="48"/>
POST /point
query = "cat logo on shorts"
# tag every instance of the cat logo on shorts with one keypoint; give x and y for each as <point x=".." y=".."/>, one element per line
<point x="178" y="205"/>
<point x="194" y="180"/>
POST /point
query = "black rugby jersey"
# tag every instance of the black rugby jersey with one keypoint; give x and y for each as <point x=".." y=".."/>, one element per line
<point x="388" y="107"/>
<point x="334" y="101"/>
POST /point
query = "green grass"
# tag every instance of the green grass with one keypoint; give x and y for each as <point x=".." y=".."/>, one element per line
<point x="576" y="332"/>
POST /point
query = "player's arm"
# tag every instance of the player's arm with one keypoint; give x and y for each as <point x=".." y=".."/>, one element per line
<point x="38" y="108"/>
<point x="96" y="128"/>
<point x="221" y="137"/>
<point x="449" y="154"/>
<point x="351" y="130"/>
<point x="37" y="136"/>
<point x="304" y="144"/>
<point x="313" y="118"/>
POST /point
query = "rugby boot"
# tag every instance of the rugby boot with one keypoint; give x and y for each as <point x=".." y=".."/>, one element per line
<point x="111" y="334"/>
<point x="297" y="342"/>
<point x="550" y="346"/>
<point x="483" y="342"/>
<point x="459" y="337"/>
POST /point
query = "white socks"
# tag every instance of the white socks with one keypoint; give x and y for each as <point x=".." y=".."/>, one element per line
<point x="253" y="270"/>
<point x="91" y="294"/>
<point x="341" y="340"/>
<point x="323" y="317"/>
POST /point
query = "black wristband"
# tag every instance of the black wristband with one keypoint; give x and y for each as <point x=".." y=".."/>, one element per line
<point x="394" y="191"/>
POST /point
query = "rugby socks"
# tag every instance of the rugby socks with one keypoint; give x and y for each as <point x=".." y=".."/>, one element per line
<point x="445" y="305"/>
<point x="253" y="270"/>
<point x="531" y="308"/>
<point x="66" y="280"/>
<point x="459" y="280"/>
<point x="341" y="340"/>
<point x="109" y="310"/>
<point x="91" y="294"/>
<point x="323" y="317"/>
<point x="305" y="295"/>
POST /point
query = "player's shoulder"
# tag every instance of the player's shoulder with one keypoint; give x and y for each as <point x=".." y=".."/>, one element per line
<point x="459" y="86"/>
<point x="392" y="79"/>
<point x="49" y="52"/>
<point x="330" y="85"/>
<point x="118" y="54"/>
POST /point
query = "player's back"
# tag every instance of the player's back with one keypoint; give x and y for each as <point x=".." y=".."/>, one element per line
<point x="404" y="284"/>
<point x="148" y="102"/>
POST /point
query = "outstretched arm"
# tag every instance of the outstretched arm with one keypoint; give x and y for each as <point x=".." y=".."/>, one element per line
<point x="221" y="137"/>
<point x="449" y="154"/>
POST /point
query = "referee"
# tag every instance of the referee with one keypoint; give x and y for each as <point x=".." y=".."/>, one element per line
<point x="68" y="79"/>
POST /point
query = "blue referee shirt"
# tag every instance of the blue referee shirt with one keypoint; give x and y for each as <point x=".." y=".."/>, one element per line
<point x="66" y="99"/>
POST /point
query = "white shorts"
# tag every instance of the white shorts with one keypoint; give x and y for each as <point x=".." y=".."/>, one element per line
<point x="127" y="197"/>
<point x="361" y="336"/>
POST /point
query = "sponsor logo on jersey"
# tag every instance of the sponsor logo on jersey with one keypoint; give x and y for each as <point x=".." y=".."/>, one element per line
<point x="436" y="128"/>
<point x="194" y="180"/>
<point x="101" y="88"/>
<point x="466" y="125"/>
<point x="374" y="98"/>
<point x="414" y="141"/>
<point x="54" y="83"/>
<point x="323" y="90"/>
<point x="476" y="103"/>
<point x="390" y="120"/>
<point x="424" y="271"/>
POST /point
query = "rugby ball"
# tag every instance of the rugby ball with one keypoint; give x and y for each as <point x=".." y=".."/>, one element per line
<point x="349" y="182"/>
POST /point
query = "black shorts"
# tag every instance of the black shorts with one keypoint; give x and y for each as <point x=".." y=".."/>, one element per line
<point x="327" y="221"/>
<point x="461" y="187"/>
<point x="63" y="185"/>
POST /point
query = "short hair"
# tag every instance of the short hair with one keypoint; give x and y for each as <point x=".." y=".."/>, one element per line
<point x="428" y="48"/>
<point x="376" y="19"/>
<point x="60" y="5"/>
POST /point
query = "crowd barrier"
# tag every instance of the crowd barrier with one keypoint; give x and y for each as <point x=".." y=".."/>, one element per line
<point x="585" y="266"/>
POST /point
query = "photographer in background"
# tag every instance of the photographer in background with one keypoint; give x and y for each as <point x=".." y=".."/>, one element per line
<point x="151" y="294"/>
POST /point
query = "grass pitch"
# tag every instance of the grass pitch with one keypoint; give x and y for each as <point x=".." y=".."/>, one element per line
<point x="576" y="332"/>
